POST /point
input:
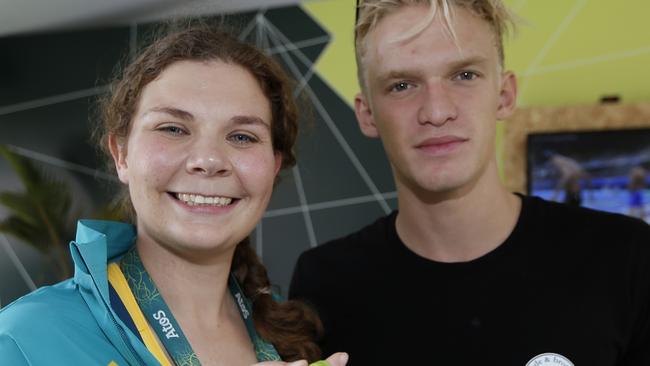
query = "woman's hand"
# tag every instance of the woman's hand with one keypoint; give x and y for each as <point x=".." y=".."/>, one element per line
<point x="337" y="359"/>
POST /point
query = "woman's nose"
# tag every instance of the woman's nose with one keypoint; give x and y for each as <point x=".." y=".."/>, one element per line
<point x="209" y="160"/>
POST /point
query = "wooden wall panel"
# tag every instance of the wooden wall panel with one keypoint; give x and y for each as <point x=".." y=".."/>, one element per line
<point x="561" y="119"/>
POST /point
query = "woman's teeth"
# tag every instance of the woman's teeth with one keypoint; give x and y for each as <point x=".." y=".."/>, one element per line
<point x="197" y="199"/>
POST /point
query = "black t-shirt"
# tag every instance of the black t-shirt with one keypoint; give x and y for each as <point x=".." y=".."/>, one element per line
<point x="569" y="286"/>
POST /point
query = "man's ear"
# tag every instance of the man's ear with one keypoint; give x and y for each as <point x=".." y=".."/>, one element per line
<point x="507" y="95"/>
<point x="364" y="116"/>
<point x="118" y="152"/>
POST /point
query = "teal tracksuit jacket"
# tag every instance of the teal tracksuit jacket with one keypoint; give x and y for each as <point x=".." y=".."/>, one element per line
<point x="72" y="323"/>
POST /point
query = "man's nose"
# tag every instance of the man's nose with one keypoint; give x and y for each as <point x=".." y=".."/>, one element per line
<point x="437" y="106"/>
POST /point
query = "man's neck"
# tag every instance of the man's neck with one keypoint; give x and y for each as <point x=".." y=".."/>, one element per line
<point x="457" y="227"/>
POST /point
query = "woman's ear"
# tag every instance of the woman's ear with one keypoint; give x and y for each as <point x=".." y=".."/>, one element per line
<point x="278" y="162"/>
<point x="118" y="152"/>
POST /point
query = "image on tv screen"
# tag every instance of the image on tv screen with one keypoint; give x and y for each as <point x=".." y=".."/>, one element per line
<point x="604" y="170"/>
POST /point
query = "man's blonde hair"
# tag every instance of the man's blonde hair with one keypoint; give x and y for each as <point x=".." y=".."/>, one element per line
<point x="371" y="12"/>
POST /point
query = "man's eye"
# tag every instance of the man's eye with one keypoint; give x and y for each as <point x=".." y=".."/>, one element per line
<point x="401" y="86"/>
<point x="466" y="75"/>
<point x="240" y="138"/>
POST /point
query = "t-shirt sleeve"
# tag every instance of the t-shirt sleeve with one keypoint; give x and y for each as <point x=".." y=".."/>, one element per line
<point x="307" y="279"/>
<point x="639" y="349"/>
<point x="296" y="287"/>
<point x="10" y="352"/>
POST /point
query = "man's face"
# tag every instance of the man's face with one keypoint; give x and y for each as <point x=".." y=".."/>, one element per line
<point x="434" y="103"/>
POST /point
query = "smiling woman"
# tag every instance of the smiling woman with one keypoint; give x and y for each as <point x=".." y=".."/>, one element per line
<point x="200" y="137"/>
<point x="197" y="128"/>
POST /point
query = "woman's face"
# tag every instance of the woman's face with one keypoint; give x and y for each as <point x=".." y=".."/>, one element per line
<point x="199" y="160"/>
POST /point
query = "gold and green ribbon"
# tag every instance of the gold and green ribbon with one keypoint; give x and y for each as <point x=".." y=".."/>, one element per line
<point x="161" y="319"/>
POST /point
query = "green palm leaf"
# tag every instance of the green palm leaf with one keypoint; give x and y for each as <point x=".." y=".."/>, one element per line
<point x="26" y="232"/>
<point x="27" y="172"/>
<point x="40" y="216"/>
<point x="20" y="206"/>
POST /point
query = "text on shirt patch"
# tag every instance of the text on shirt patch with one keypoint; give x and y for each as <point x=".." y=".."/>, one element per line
<point x="547" y="359"/>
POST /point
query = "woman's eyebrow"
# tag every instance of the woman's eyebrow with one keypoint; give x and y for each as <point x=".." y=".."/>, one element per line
<point x="250" y="120"/>
<point x="175" y="112"/>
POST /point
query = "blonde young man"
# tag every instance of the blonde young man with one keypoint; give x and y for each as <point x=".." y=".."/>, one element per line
<point x="465" y="272"/>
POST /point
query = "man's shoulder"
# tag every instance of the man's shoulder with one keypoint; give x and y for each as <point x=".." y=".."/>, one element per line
<point x="355" y="244"/>
<point x="342" y="266"/>
<point x="584" y="226"/>
<point x="559" y="213"/>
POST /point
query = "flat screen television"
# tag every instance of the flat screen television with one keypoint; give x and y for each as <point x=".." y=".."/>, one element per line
<point x="606" y="170"/>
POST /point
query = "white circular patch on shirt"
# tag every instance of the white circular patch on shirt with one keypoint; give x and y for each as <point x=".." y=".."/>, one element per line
<point x="549" y="359"/>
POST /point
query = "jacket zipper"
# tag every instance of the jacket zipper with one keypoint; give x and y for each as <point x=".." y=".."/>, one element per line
<point x="135" y="354"/>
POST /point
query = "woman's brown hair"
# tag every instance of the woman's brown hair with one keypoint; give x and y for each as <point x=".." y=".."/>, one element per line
<point x="291" y="326"/>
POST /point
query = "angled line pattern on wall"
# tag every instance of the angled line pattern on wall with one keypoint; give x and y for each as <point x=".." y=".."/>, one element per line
<point x="548" y="45"/>
<point x="340" y="183"/>
<point x="17" y="263"/>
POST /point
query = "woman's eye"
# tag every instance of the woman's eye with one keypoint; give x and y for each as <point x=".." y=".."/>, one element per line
<point x="173" y="130"/>
<point x="241" y="138"/>
<point x="466" y="75"/>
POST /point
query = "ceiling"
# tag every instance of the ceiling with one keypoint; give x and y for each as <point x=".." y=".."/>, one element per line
<point x="28" y="16"/>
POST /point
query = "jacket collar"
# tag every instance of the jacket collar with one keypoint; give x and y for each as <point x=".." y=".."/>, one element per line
<point x="97" y="244"/>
